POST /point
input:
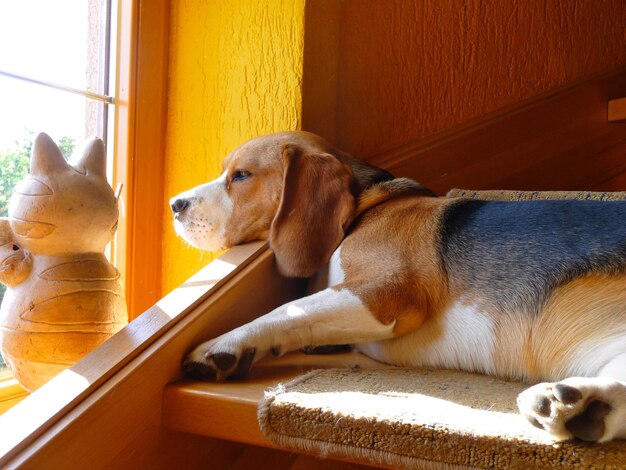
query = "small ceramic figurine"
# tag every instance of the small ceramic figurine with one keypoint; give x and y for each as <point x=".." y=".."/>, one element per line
<point x="63" y="297"/>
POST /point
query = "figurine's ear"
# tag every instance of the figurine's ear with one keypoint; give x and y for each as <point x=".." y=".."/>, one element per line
<point x="46" y="156"/>
<point x="91" y="158"/>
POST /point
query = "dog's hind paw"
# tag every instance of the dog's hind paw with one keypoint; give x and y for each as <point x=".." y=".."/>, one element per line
<point x="588" y="408"/>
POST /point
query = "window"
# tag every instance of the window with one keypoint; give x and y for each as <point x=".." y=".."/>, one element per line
<point x="55" y="76"/>
<point x="139" y="48"/>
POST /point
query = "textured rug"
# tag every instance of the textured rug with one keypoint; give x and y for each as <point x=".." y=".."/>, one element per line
<point x="419" y="418"/>
<point x="507" y="195"/>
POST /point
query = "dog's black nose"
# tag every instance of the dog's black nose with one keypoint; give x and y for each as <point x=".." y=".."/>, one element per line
<point x="179" y="205"/>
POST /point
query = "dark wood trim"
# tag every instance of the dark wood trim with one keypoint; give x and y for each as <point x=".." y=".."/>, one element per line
<point x="558" y="141"/>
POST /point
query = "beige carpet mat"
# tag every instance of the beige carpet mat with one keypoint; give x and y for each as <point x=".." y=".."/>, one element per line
<point x="419" y="418"/>
<point x="507" y="195"/>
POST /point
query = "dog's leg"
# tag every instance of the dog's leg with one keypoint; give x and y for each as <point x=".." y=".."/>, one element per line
<point x="589" y="408"/>
<point x="332" y="316"/>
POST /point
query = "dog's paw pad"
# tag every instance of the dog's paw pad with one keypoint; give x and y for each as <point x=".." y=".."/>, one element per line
<point x="244" y="364"/>
<point x="198" y="370"/>
<point x="589" y="425"/>
<point x="542" y="405"/>
<point x="535" y="422"/>
<point x="224" y="361"/>
<point x="566" y="394"/>
<point x="219" y="365"/>
<point x="576" y="407"/>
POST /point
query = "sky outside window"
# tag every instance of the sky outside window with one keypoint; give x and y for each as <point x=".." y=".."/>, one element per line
<point x="52" y="41"/>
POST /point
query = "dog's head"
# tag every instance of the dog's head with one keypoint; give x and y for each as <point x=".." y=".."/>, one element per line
<point x="292" y="188"/>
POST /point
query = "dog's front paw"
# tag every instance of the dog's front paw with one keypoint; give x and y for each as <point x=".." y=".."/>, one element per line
<point x="228" y="356"/>
<point x="590" y="409"/>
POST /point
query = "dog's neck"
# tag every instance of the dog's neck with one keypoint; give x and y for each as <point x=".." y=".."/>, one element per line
<point x="386" y="190"/>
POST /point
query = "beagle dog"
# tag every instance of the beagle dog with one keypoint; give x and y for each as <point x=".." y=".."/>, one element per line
<point x="527" y="290"/>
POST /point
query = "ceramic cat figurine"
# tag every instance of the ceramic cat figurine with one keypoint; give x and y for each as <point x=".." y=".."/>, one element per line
<point x="63" y="297"/>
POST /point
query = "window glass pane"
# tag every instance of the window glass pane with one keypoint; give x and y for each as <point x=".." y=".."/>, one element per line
<point x="59" y="37"/>
<point x="28" y="109"/>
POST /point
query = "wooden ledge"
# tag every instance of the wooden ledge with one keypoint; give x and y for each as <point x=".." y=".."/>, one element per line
<point x="228" y="410"/>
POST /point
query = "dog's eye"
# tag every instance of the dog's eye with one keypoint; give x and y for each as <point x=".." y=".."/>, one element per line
<point x="239" y="175"/>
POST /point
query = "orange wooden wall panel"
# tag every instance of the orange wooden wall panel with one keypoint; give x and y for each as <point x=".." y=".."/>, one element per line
<point x="558" y="141"/>
<point x="410" y="68"/>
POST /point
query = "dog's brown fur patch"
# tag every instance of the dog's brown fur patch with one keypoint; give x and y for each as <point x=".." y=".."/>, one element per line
<point x="543" y="347"/>
<point x="409" y="285"/>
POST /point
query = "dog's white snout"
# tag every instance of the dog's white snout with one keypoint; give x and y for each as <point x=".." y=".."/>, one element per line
<point x="202" y="214"/>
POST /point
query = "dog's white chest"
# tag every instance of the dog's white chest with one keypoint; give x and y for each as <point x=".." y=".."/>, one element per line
<point x="335" y="272"/>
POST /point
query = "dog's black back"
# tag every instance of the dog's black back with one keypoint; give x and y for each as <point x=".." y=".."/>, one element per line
<point x="514" y="254"/>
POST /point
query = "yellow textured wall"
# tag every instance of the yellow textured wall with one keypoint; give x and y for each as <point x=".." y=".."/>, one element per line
<point x="235" y="73"/>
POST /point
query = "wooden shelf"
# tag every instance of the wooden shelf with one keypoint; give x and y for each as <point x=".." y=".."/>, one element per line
<point x="228" y="410"/>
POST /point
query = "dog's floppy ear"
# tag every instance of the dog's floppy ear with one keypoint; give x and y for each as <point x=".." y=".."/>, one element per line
<point x="315" y="209"/>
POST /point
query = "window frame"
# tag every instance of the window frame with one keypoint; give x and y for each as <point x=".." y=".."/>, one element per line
<point x="11" y="391"/>
<point x="139" y="147"/>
